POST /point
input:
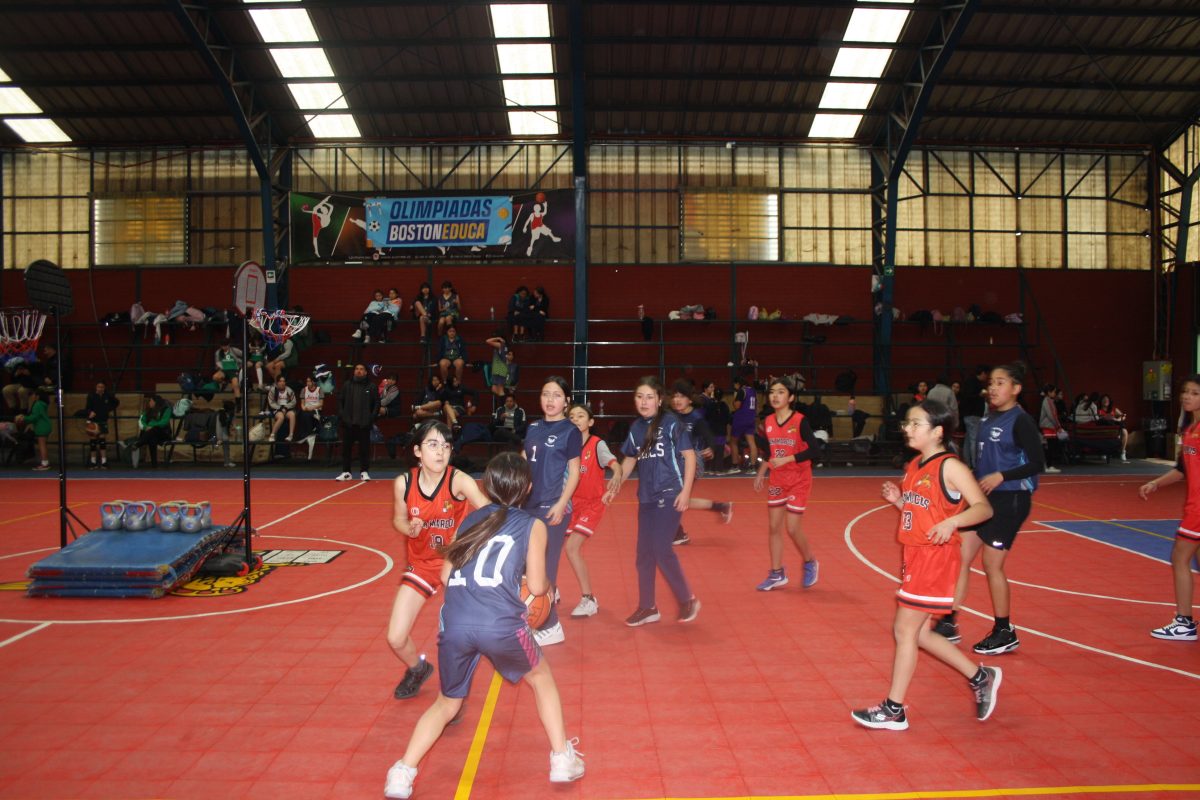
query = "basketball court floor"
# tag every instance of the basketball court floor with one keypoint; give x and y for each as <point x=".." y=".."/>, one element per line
<point x="280" y="684"/>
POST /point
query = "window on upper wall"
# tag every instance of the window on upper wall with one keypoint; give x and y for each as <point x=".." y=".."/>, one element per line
<point x="139" y="229"/>
<point x="730" y="226"/>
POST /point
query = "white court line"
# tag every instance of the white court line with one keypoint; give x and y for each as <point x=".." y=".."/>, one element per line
<point x="388" y="564"/>
<point x="22" y="635"/>
<point x="1119" y="656"/>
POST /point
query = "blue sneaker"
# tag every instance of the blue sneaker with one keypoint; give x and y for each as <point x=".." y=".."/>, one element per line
<point x="810" y="573"/>
<point x="775" y="579"/>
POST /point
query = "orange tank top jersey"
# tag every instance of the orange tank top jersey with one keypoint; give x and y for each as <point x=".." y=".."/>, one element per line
<point x="591" y="474"/>
<point x="1189" y="463"/>
<point x="440" y="513"/>
<point x="786" y="441"/>
<point x="926" y="501"/>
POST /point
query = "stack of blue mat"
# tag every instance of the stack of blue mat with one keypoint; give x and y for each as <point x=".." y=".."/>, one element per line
<point x="122" y="563"/>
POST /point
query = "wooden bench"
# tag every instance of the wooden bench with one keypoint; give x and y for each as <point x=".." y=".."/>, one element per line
<point x="1102" y="441"/>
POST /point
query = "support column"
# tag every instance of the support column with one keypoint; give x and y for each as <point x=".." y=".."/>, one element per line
<point x="579" y="154"/>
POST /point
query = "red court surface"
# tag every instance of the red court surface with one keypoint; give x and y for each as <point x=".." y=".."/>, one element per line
<point x="284" y="688"/>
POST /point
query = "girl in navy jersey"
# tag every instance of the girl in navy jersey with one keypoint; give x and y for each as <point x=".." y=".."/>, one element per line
<point x="428" y="504"/>
<point x="484" y="616"/>
<point x="661" y="450"/>
<point x="743" y="423"/>
<point x="792" y="448"/>
<point x="694" y="422"/>
<point x="1187" y="537"/>
<point x="587" y="504"/>
<point x="552" y="448"/>
<point x="1008" y="459"/>
<point x="937" y="497"/>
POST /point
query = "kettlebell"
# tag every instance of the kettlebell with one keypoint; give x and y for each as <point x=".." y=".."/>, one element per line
<point x="139" y="515"/>
<point x="110" y="514"/>
<point x="205" y="513"/>
<point x="168" y="515"/>
<point x="191" y="518"/>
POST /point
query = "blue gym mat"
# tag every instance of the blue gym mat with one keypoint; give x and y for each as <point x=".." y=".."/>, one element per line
<point x="103" y="563"/>
<point x="1150" y="537"/>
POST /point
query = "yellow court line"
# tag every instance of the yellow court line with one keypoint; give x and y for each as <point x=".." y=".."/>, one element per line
<point x="1105" y="521"/>
<point x="41" y="513"/>
<point x="1032" y="791"/>
<point x="474" y="755"/>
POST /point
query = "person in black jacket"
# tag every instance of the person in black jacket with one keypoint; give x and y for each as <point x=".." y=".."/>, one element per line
<point x="358" y="405"/>
<point x="99" y="405"/>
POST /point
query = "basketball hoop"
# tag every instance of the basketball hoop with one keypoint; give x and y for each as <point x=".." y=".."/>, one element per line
<point x="277" y="326"/>
<point x="20" y="329"/>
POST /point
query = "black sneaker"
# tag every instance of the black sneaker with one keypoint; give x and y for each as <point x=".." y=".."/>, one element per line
<point x="880" y="718"/>
<point x="413" y="678"/>
<point x="681" y="537"/>
<point x="944" y="627"/>
<point x="1000" y="640"/>
<point x="643" y="616"/>
<point x="985" y="692"/>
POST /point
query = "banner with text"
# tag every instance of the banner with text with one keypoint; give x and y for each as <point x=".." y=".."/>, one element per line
<point x="438" y="221"/>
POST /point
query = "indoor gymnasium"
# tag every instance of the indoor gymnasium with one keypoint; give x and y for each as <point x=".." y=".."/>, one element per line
<point x="600" y="400"/>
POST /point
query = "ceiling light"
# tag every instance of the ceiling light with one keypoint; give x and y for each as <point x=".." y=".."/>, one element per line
<point x="512" y="21"/>
<point x="333" y="126"/>
<point x="533" y="123"/>
<point x="318" y="95"/>
<point x="37" y="130"/>
<point x="860" y="62"/>
<point x="525" y="58"/>
<point x="835" y="126"/>
<point x="847" y="95"/>
<point x="13" y="100"/>
<point x="284" y="25"/>
<point x="302" y="62"/>
<point x="875" y="25"/>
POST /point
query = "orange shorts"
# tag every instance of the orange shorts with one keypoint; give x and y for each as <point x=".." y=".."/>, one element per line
<point x="1189" y="527"/>
<point x="928" y="574"/>
<point x="789" y="490"/>
<point x="585" y="517"/>
<point x="426" y="578"/>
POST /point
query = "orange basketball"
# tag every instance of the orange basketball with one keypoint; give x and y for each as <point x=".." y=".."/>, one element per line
<point x="538" y="606"/>
<point x="540" y="197"/>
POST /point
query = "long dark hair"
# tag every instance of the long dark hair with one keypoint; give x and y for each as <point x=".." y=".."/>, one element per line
<point x="506" y="482"/>
<point x="656" y="422"/>
<point x="941" y="416"/>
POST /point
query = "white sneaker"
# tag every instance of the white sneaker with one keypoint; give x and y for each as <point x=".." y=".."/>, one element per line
<point x="1052" y="470"/>
<point x="364" y="476"/>
<point x="345" y="476"/>
<point x="400" y="781"/>
<point x="366" y="340"/>
<point x="271" y="438"/>
<point x="357" y="334"/>
<point x="1124" y="459"/>
<point x="587" y="607"/>
<point x="552" y="635"/>
<point x="566" y="766"/>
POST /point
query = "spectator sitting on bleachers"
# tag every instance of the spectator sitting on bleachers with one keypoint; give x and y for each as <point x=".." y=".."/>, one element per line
<point x="154" y="428"/>
<point x="429" y="406"/>
<point x="281" y="401"/>
<point x="518" y="312"/>
<point x="539" y="313"/>
<point x="374" y="324"/>
<point x="453" y="352"/>
<point x="397" y="304"/>
<point x="279" y="359"/>
<point x="423" y="309"/>
<point x="1086" y="412"/>
<point x="449" y="307"/>
<point x="230" y="362"/>
<point x="258" y="357"/>
<point x="98" y="406"/>
<point x="1111" y="415"/>
<point x="460" y="402"/>
<point x="920" y="392"/>
<point x="508" y="422"/>
<point x="23" y="382"/>
<point x="48" y="364"/>
<point x="312" y="400"/>
<point x="389" y="397"/>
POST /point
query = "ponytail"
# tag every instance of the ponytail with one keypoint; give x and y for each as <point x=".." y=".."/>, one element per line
<point x="506" y="481"/>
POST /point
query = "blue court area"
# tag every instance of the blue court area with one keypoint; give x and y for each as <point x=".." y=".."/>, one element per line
<point x="1149" y="537"/>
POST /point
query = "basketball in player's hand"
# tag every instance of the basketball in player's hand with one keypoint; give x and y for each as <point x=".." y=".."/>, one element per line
<point x="538" y="605"/>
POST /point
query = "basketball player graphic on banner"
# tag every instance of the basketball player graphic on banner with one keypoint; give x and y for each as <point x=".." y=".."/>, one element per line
<point x="536" y="224"/>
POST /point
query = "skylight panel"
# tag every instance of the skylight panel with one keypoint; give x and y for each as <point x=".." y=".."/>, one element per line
<point x="835" y="126"/>
<point x="37" y="130"/>
<point x="283" y="25"/>
<point x="530" y="93"/>
<point x="875" y="25"/>
<point x="513" y="21"/>
<point x="522" y="58"/>
<point x="847" y="95"/>
<point x="333" y="126"/>
<point x="533" y="123"/>
<point x="318" y="95"/>
<point x="13" y="100"/>
<point x="302" y="62"/>
<point x="860" y="62"/>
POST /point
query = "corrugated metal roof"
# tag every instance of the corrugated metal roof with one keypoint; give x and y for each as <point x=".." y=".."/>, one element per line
<point x="1113" y="72"/>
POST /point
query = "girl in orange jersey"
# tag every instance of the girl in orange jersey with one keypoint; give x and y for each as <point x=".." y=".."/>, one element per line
<point x="938" y="496"/>
<point x="429" y="503"/>
<point x="587" y="504"/>
<point x="1187" y="537"/>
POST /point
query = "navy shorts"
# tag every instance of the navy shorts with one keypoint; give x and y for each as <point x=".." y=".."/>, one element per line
<point x="512" y="653"/>
<point x="1009" y="512"/>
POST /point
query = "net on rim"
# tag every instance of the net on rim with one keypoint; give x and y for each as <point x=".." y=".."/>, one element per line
<point x="277" y="327"/>
<point x="20" y="330"/>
